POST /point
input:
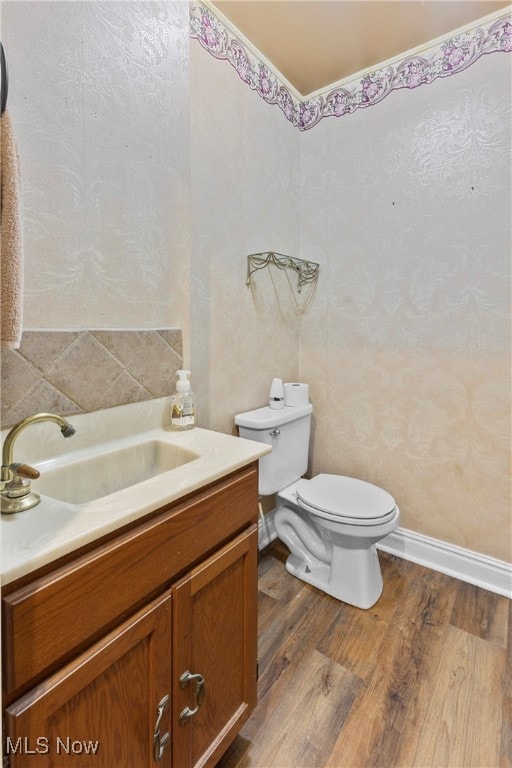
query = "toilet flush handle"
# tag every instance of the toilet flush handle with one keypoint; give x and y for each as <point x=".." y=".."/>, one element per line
<point x="275" y="432"/>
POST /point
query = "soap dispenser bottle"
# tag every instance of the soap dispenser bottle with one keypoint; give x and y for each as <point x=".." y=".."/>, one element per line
<point x="183" y="404"/>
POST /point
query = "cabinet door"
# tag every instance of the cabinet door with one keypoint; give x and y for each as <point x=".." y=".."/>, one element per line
<point x="102" y="708"/>
<point x="215" y="640"/>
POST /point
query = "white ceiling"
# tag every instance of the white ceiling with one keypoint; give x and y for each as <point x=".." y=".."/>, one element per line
<point x="314" y="43"/>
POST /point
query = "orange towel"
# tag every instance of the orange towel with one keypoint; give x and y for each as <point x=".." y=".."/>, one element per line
<point x="11" y="243"/>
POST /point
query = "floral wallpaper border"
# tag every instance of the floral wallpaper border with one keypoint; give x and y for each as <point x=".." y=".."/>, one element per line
<point x="447" y="58"/>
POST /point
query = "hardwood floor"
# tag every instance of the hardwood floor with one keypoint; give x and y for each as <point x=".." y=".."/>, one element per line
<point x="422" y="679"/>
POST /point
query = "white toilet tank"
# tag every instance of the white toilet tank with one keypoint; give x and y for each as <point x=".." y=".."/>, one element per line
<point x="287" y="431"/>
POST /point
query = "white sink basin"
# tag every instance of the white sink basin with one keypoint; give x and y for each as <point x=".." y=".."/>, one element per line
<point x="122" y="463"/>
<point x="84" y="476"/>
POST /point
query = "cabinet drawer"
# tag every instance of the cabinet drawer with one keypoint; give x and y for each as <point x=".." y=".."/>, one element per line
<point x="55" y="616"/>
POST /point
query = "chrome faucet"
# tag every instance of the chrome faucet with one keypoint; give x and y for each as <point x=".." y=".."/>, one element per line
<point x="15" y="492"/>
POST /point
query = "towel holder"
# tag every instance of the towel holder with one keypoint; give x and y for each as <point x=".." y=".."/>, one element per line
<point x="307" y="271"/>
<point x="5" y="78"/>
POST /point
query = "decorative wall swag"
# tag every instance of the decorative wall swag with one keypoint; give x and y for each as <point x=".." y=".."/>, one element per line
<point x="307" y="271"/>
<point x="447" y="58"/>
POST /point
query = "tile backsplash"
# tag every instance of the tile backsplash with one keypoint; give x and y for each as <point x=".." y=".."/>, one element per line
<point x="70" y="372"/>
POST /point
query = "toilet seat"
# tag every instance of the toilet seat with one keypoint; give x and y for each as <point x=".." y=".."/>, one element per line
<point x="346" y="500"/>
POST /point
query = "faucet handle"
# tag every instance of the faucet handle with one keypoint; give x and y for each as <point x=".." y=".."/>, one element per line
<point x="16" y="494"/>
<point x="24" y="470"/>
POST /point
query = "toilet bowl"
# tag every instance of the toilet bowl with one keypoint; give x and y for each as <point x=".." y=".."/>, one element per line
<point x="330" y="523"/>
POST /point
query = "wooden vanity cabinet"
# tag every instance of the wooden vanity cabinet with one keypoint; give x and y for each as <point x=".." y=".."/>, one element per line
<point x="170" y="682"/>
<point x="101" y="708"/>
<point x="215" y="625"/>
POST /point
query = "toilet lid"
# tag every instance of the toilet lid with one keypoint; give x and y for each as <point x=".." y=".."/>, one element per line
<point x="345" y="497"/>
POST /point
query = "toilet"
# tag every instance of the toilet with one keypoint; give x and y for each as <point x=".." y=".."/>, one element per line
<point x="330" y="523"/>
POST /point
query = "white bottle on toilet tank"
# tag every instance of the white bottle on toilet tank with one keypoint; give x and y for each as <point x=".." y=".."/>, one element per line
<point x="276" y="394"/>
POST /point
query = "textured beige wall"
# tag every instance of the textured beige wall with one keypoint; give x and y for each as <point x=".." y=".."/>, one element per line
<point x="101" y="102"/>
<point x="407" y="347"/>
<point x="245" y="187"/>
<point x="99" y="98"/>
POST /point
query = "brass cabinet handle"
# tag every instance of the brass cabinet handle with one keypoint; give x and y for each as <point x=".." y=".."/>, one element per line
<point x="160" y="742"/>
<point x="186" y="678"/>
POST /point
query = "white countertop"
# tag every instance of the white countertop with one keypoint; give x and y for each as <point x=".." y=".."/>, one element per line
<point x="51" y="529"/>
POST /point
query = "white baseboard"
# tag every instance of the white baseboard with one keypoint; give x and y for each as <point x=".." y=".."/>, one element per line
<point x="464" y="564"/>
